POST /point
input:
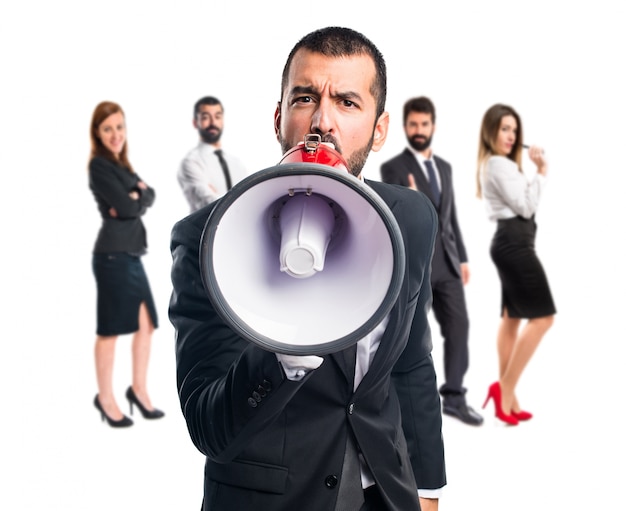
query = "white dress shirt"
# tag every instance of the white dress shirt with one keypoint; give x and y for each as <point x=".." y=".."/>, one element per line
<point x="201" y="177"/>
<point x="507" y="192"/>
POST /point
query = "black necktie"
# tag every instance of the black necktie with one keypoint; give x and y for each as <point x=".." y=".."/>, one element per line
<point x="432" y="179"/>
<point x="224" y="165"/>
<point x="350" y="497"/>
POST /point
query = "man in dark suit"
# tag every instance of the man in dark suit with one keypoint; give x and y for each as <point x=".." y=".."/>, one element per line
<point x="278" y="431"/>
<point x="418" y="168"/>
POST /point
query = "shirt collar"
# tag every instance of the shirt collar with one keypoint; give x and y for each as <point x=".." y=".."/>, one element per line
<point x="421" y="159"/>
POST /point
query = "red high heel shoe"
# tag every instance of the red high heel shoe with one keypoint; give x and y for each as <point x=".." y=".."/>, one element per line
<point x="522" y="415"/>
<point x="496" y="394"/>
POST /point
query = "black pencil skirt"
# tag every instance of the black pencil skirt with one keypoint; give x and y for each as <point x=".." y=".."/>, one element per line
<point x="122" y="285"/>
<point x="525" y="289"/>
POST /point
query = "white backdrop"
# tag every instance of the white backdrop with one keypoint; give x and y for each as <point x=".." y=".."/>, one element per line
<point x="558" y="64"/>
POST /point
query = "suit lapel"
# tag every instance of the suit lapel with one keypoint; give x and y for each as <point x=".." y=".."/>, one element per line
<point x="387" y="343"/>
<point x="346" y="361"/>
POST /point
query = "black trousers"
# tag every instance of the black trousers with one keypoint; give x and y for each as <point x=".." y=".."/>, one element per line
<point x="450" y="311"/>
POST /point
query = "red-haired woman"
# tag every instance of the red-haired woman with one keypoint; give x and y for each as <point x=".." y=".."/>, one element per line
<point x="124" y="304"/>
<point x="511" y="199"/>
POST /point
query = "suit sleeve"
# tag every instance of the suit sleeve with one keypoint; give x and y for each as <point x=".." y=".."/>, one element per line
<point x="218" y="372"/>
<point x="390" y="174"/>
<point x="414" y="374"/>
<point x="146" y="196"/>
<point x="460" y="245"/>
<point x="456" y="228"/>
<point x="115" y="193"/>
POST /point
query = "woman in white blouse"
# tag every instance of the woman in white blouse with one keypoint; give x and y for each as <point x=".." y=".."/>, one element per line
<point x="511" y="200"/>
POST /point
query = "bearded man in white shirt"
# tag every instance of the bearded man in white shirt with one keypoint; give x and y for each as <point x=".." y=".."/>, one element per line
<point x="207" y="172"/>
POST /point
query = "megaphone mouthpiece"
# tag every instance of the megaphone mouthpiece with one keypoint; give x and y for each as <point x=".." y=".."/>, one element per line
<point x="313" y="150"/>
<point x="306" y="224"/>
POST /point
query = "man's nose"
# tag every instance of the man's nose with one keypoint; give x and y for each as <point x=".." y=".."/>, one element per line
<point x="322" y="120"/>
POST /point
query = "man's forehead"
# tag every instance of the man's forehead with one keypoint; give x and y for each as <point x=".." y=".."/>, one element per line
<point x="210" y="109"/>
<point x="349" y="72"/>
<point x="419" y="116"/>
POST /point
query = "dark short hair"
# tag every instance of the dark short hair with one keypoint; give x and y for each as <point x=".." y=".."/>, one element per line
<point x="343" y="42"/>
<point x="420" y="104"/>
<point x="206" y="100"/>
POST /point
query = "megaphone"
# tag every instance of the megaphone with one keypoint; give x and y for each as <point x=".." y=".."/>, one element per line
<point x="302" y="258"/>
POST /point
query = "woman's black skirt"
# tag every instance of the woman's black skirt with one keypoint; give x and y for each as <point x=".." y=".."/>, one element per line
<point x="122" y="285"/>
<point x="525" y="289"/>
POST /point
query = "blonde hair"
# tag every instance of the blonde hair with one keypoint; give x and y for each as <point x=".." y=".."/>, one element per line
<point x="489" y="135"/>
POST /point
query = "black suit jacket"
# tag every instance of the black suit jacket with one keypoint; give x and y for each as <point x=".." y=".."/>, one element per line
<point x="397" y="170"/>
<point x="111" y="184"/>
<point x="286" y="452"/>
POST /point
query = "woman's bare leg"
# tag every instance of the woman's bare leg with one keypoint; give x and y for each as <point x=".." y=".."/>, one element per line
<point x="105" y="357"/>
<point x="522" y="351"/>
<point x="142" y="342"/>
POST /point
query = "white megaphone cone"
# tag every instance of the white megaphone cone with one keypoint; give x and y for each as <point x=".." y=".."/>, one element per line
<point x="302" y="258"/>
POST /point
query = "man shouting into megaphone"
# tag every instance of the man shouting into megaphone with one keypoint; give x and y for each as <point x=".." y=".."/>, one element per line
<point x="354" y="429"/>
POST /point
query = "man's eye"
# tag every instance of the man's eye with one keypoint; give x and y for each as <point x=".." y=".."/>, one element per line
<point x="348" y="103"/>
<point x="303" y="99"/>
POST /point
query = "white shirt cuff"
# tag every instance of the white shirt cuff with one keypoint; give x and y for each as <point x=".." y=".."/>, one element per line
<point x="430" y="494"/>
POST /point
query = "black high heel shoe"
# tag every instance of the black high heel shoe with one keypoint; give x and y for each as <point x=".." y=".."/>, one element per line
<point x="124" y="422"/>
<point x="147" y="414"/>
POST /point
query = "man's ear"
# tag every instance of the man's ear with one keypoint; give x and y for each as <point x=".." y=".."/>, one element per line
<point x="277" y="121"/>
<point x="380" y="131"/>
<point x="195" y="123"/>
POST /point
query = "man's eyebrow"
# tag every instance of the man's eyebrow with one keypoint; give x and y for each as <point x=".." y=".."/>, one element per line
<point x="301" y="89"/>
<point x="348" y="95"/>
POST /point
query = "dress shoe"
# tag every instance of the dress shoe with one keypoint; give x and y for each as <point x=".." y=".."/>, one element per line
<point x="124" y="422"/>
<point x="495" y="393"/>
<point x="463" y="412"/>
<point x="155" y="413"/>
<point x="522" y="415"/>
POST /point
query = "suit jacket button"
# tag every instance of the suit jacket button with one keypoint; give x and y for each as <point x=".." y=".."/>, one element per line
<point x="351" y="409"/>
<point x="256" y="396"/>
<point x="252" y="402"/>
<point x="267" y="385"/>
<point x="331" y="481"/>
